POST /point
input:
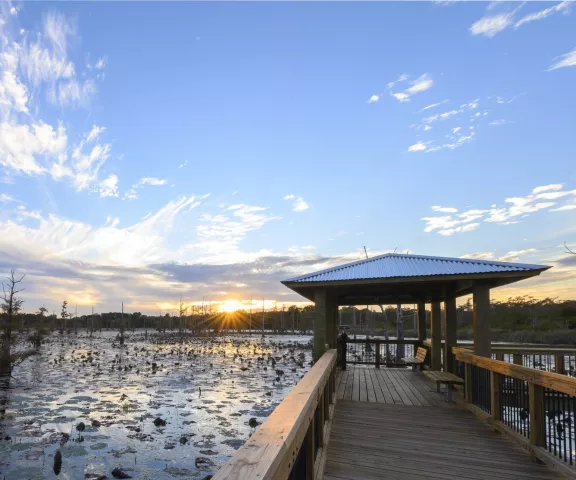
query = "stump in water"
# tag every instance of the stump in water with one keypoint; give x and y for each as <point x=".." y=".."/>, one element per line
<point x="57" y="462"/>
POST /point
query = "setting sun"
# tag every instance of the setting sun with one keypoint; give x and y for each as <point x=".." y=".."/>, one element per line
<point x="230" y="306"/>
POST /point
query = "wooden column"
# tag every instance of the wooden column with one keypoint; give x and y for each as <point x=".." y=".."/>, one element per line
<point x="559" y="364"/>
<point x="421" y="322"/>
<point x="495" y="408"/>
<point x="481" y="301"/>
<point x="436" y="334"/>
<point x="450" y="334"/>
<point x="537" y="417"/>
<point x="331" y="321"/>
<point x="320" y="322"/>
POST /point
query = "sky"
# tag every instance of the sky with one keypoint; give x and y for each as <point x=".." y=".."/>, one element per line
<point x="156" y="151"/>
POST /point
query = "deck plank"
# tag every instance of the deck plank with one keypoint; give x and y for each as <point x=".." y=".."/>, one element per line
<point x="403" y="429"/>
<point x="398" y="441"/>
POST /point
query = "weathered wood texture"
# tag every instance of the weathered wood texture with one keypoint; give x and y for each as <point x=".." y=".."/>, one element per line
<point x="387" y="385"/>
<point x="372" y="441"/>
<point x="270" y="452"/>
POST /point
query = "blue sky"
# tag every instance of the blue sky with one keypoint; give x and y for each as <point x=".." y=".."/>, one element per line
<point x="153" y="150"/>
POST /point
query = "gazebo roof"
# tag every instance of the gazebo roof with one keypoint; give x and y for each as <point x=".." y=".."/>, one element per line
<point x="399" y="277"/>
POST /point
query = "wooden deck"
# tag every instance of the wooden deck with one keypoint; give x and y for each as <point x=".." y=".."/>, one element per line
<point x="387" y="385"/>
<point x="378" y="433"/>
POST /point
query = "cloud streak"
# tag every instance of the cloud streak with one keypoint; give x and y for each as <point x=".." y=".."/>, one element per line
<point x="541" y="198"/>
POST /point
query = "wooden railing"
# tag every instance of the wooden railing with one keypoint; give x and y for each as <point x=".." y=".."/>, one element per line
<point x="535" y="407"/>
<point x="549" y="358"/>
<point x="380" y="352"/>
<point x="291" y="443"/>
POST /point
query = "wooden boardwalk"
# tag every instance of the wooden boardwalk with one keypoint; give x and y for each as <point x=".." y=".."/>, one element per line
<point x="387" y="385"/>
<point x="378" y="433"/>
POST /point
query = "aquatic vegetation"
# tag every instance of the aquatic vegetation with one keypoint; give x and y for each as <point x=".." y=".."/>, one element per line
<point x="97" y="403"/>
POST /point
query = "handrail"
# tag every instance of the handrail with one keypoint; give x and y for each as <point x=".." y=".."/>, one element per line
<point x="532" y="406"/>
<point x="554" y="381"/>
<point x="381" y="342"/>
<point x="286" y="441"/>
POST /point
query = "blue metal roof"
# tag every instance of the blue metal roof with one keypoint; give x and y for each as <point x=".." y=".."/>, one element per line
<point x="392" y="265"/>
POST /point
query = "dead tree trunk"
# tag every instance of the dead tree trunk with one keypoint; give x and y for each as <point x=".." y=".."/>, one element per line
<point x="10" y="307"/>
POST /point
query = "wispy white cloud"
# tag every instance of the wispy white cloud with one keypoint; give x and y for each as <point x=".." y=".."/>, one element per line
<point x="418" y="147"/>
<point x="499" y="122"/>
<point x="182" y="165"/>
<point x="298" y="203"/>
<point x="132" y="194"/>
<point x="152" y="181"/>
<point x="438" y="208"/>
<point x="421" y="84"/>
<point x="433" y="105"/>
<point x="563" y="61"/>
<point x="560" y="7"/>
<point x="95" y="133"/>
<point x="515" y="209"/>
<point x="515" y="255"/>
<point x="101" y="63"/>
<point x="374" y="98"/>
<point x="4" y="197"/>
<point x="491" y="25"/>
<point x="400" y="79"/>
<point x="20" y="145"/>
<point x="109" y="186"/>
<point x="479" y="256"/>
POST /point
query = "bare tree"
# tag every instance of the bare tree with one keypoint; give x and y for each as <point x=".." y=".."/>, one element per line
<point x="11" y="306"/>
<point x="40" y="331"/>
<point x="63" y="316"/>
<point x="122" y="326"/>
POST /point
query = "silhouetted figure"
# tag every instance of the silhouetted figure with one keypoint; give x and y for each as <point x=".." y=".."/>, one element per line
<point x="342" y="340"/>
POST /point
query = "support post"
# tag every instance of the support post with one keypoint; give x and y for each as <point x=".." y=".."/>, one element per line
<point x="436" y="334"/>
<point x="495" y="396"/>
<point x="500" y="356"/>
<point x="450" y="334"/>
<point x="559" y="364"/>
<point x="309" y="446"/>
<point x="481" y="301"/>
<point x="321" y="319"/>
<point x="517" y="358"/>
<point x="377" y="346"/>
<point x="421" y="322"/>
<point x="537" y="417"/>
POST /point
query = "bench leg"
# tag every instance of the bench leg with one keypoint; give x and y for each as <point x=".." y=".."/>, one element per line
<point x="449" y="392"/>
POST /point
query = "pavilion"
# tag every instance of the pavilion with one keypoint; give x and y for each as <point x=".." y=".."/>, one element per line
<point x="413" y="279"/>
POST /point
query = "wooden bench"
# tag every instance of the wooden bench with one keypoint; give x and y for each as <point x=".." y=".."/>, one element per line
<point x="444" y="377"/>
<point x="418" y="360"/>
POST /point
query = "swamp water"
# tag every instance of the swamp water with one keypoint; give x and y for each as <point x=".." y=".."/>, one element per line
<point x="206" y="389"/>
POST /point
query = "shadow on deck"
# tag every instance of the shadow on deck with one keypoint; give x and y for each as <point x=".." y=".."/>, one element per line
<point x="379" y="433"/>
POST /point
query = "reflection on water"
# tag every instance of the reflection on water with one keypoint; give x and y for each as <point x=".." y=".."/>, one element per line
<point x="205" y="389"/>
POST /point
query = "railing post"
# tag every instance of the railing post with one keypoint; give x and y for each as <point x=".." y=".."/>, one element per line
<point x="537" y="417"/>
<point x="343" y="347"/>
<point x="500" y="356"/>
<point x="468" y="383"/>
<point x="559" y="364"/>
<point x="321" y="415"/>
<point x="517" y="359"/>
<point x="309" y="449"/>
<point x="495" y="396"/>
<point x="377" y="353"/>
